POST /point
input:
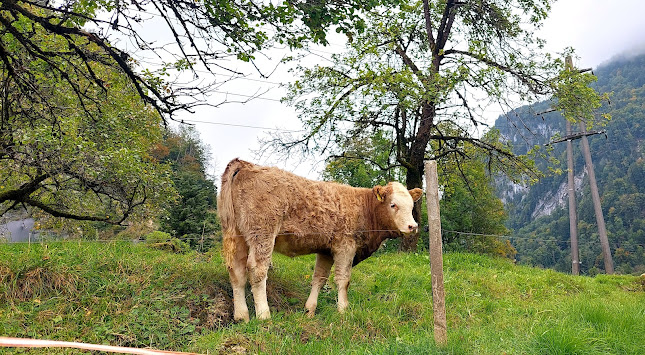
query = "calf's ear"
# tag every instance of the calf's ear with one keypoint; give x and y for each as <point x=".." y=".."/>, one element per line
<point x="379" y="192"/>
<point x="416" y="194"/>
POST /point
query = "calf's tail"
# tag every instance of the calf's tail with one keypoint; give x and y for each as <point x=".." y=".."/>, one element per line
<point x="226" y="210"/>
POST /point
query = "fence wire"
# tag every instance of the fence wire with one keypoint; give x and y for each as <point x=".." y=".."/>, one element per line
<point x="218" y="236"/>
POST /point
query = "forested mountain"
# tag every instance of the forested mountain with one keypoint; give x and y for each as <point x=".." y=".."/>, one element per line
<point x="538" y="215"/>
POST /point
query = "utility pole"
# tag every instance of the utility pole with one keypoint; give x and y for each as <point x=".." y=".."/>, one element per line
<point x="573" y="223"/>
<point x="571" y="187"/>
<point x="600" y="219"/>
<point x="573" y="217"/>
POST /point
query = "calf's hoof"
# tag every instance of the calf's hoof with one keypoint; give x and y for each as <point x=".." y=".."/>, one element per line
<point x="241" y="317"/>
<point x="310" y="307"/>
<point x="311" y="313"/>
<point x="263" y="315"/>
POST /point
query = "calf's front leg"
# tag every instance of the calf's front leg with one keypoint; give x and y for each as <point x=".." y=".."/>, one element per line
<point x="342" y="273"/>
<point x="321" y="274"/>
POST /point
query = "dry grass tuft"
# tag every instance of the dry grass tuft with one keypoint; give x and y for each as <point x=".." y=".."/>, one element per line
<point x="640" y="283"/>
<point x="36" y="282"/>
<point x="313" y="332"/>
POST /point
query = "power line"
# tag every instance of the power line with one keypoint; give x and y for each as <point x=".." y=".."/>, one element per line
<point x="230" y="76"/>
<point x="242" y="126"/>
<point x="236" y="77"/>
<point x="247" y="96"/>
<point x="513" y="237"/>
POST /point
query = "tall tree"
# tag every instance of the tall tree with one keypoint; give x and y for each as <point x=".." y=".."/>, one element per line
<point x="193" y="215"/>
<point x="471" y="215"/>
<point x="56" y="158"/>
<point x="79" y="111"/>
<point x="427" y="71"/>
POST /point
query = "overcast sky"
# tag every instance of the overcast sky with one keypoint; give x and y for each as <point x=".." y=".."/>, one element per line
<point x="597" y="29"/>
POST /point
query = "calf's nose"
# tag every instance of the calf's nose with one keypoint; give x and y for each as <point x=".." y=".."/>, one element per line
<point x="413" y="228"/>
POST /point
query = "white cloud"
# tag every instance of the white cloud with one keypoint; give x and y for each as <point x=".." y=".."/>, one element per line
<point x="596" y="29"/>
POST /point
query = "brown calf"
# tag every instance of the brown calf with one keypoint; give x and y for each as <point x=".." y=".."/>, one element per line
<point x="265" y="209"/>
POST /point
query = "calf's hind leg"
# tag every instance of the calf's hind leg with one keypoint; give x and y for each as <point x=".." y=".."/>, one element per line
<point x="321" y="274"/>
<point x="258" y="263"/>
<point x="236" y="252"/>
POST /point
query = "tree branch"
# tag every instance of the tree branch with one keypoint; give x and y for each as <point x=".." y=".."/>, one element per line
<point x="372" y="161"/>
<point x="428" y="25"/>
<point x="532" y="83"/>
<point x="57" y="213"/>
<point x="24" y="190"/>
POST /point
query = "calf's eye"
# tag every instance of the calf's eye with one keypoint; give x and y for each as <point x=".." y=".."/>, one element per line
<point x="393" y="205"/>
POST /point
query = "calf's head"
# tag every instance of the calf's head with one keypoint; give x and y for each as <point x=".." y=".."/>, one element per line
<point x="395" y="205"/>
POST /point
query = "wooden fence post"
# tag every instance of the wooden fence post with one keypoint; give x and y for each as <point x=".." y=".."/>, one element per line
<point x="436" y="254"/>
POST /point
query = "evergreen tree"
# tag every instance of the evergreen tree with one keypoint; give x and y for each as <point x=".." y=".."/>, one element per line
<point x="192" y="217"/>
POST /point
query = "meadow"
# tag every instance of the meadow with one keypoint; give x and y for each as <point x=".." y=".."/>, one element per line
<point x="126" y="294"/>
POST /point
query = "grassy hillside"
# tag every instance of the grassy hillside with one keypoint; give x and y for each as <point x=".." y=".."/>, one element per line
<point x="125" y="294"/>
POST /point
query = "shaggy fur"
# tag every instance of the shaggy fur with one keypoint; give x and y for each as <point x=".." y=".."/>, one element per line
<point x="265" y="209"/>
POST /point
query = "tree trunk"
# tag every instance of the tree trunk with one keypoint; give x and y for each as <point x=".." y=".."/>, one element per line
<point x="414" y="176"/>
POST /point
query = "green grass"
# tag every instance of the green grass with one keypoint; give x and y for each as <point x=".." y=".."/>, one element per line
<point x="130" y="295"/>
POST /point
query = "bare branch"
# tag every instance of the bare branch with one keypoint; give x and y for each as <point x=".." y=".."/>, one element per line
<point x="364" y="158"/>
<point x="531" y="82"/>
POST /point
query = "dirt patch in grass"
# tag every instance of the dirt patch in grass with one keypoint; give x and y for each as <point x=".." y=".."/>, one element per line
<point x="214" y="308"/>
<point x="368" y="332"/>
<point x="411" y="311"/>
<point x="238" y="344"/>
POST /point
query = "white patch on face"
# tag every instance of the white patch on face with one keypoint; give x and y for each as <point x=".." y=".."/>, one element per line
<point x="401" y="205"/>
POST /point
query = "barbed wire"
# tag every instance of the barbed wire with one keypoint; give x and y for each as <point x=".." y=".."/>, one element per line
<point x="220" y="234"/>
<point x="210" y="237"/>
<point x="501" y="236"/>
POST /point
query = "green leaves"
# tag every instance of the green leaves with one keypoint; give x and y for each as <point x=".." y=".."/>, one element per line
<point x="409" y="71"/>
<point x="577" y="100"/>
<point x="93" y="153"/>
<point x="366" y="161"/>
<point x="204" y="33"/>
